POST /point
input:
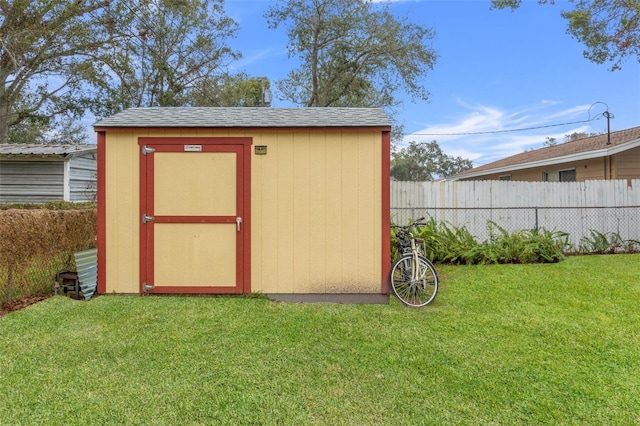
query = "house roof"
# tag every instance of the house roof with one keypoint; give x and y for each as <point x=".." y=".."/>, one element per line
<point x="580" y="149"/>
<point x="66" y="151"/>
<point x="207" y="117"/>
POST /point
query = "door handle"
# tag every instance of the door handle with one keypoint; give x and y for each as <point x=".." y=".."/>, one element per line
<point x="238" y="222"/>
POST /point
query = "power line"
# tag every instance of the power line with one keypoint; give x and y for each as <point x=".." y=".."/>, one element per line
<point x="489" y="132"/>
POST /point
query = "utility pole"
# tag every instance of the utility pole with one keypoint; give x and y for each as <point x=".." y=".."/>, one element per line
<point x="609" y="116"/>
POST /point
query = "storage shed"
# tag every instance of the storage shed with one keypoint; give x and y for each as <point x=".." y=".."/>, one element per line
<point x="43" y="173"/>
<point x="288" y="202"/>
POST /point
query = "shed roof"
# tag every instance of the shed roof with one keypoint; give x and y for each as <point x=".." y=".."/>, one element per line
<point x="580" y="149"/>
<point x="9" y="149"/>
<point x="207" y="117"/>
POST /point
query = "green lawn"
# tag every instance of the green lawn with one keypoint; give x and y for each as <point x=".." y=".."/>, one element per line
<point x="501" y="344"/>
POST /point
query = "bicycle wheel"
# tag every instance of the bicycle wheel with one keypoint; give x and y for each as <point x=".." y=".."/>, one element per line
<point x="414" y="286"/>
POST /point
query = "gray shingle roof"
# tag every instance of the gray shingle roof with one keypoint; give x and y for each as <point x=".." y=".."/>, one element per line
<point x="247" y="117"/>
<point x="34" y="149"/>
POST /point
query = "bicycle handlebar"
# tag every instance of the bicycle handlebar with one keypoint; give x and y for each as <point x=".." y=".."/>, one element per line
<point x="417" y="222"/>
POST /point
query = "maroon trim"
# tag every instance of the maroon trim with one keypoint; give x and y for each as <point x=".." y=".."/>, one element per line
<point x="194" y="219"/>
<point x="177" y="144"/>
<point x="240" y="249"/>
<point x="194" y="290"/>
<point x="183" y="130"/>
<point x="386" y="211"/>
<point x="246" y="216"/>
<point x="239" y="145"/>
<point x="147" y="167"/>
<point x="102" y="218"/>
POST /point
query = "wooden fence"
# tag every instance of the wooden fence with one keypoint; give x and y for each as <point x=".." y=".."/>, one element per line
<point x="611" y="206"/>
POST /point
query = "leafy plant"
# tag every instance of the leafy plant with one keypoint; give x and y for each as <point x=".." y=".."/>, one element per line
<point x="607" y="242"/>
<point x="551" y="245"/>
<point x="631" y="246"/>
<point x="526" y="246"/>
<point x="446" y="243"/>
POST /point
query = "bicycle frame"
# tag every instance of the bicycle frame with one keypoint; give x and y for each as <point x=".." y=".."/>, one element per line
<point x="416" y="251"/>
<point x="414" y="266"/>
<point x="414" y="280"/>
<point x="416" y="277"/>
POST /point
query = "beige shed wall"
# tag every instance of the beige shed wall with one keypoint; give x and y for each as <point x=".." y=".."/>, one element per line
<point x="315" y="210"/>
<point x="316" y="213"/>
<point x="122" y="213"/>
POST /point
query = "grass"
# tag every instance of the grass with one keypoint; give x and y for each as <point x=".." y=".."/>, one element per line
<point x="501" y="344"/>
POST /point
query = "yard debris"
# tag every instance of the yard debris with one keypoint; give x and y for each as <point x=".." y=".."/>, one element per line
<point x="14" y="305"/>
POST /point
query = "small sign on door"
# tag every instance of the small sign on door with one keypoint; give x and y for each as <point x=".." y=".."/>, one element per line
<point x="193" y="148"/>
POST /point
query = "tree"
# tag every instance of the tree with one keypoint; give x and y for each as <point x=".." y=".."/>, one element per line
<point x="551" y="141"/>
<point x="425" y="161"/>
<point x="610" y="30"/>
<point x="46" y="50"/>
<point x="352" y="53"/>
<point x="60" y="130"/>
<point x="166" y="50"/>
<point x="227" y="90"/>
<point x="578" y="135"/>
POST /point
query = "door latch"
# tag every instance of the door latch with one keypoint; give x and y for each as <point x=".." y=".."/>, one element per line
<point x="146" y="218"/>
<point x="238" y="222"/>
<point x="146" y="150"/>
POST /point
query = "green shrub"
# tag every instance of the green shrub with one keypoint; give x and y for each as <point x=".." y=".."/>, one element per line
<point x="446" y="243"/>
<point x="607" y="243"/>
<point x="526" y="246"/>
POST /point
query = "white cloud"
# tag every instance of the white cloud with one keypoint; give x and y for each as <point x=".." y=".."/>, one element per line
<point x="259" y="56"/>
<point x="486" y="133"/>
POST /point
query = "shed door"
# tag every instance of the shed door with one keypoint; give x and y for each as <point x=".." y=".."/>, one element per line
<point x="194" y="221"/>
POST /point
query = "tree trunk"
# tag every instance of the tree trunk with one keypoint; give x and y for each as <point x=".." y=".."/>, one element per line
<point x="10" y="284"/>
<point x="4" y="123"/>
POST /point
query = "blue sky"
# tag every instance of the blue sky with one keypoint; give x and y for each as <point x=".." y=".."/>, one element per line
<point x="497" y="70"/>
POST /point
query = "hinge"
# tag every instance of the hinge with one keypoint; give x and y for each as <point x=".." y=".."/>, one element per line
<point x="146" y="287"/>
<point x="146" y="218"/>
<point x="146" y="150"/>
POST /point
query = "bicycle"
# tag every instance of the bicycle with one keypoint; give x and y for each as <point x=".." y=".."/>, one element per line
<point x="414" y="279"/>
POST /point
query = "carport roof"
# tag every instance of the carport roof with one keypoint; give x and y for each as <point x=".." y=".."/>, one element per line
<point x="262" y="117"/>
<point x="68" y="151"/>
